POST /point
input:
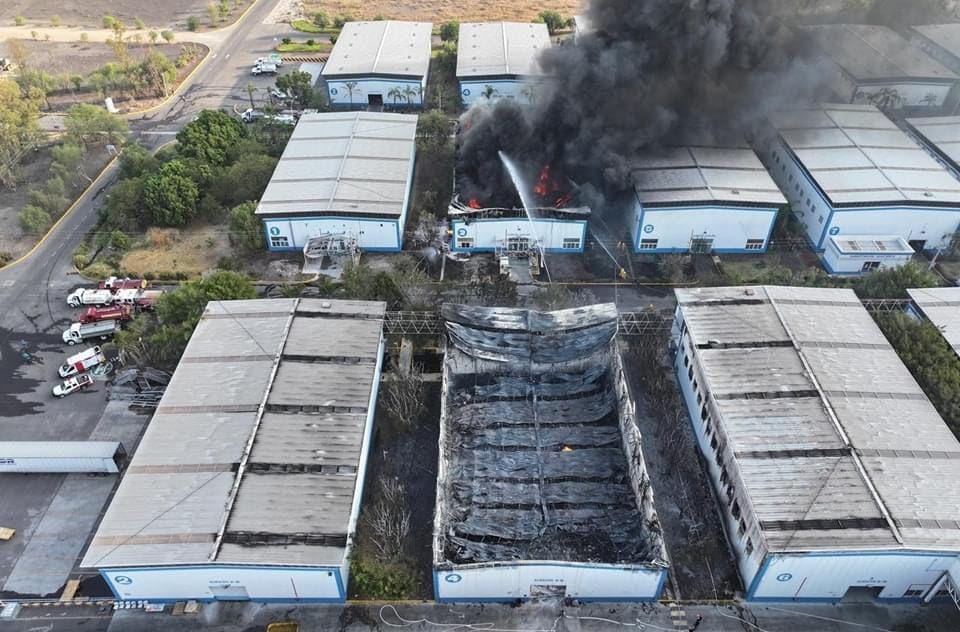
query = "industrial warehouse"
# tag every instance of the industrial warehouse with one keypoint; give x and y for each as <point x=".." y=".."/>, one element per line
<point x="941" y="306"/>
<point x="379" y="64"/>
<point x="849" y="170"/>
<point x="342" y="184"/>
<point x="942" y="42"/>
<point x="542" y="488"/>
<point x="875" y="64"/>
<point x="702" y="200"/>
<point x="499" y="60"/>
<point x="834" y="471"/>
<point x="247" y="482"/>
<point x="941" y="134"/>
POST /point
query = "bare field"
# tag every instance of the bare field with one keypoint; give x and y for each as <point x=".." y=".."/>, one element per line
<point x="438" y="11"/>
<point x="162" y="14"/>
<point x="191" y="251"/>
<point x="81" y="58"/>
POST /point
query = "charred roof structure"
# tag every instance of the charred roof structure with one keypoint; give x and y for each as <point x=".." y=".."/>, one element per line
<point x="541" y="470"/>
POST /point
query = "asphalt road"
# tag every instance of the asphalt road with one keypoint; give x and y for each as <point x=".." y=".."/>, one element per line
<point x="33" y="312"/>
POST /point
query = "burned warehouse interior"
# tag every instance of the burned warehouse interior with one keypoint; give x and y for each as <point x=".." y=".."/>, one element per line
<point x="540" y="460"/>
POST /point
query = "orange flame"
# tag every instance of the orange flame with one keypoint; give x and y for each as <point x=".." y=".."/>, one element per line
<point x="474" y="203"/>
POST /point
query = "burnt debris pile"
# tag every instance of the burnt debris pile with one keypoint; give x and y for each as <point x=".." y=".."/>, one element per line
<point x="534" y="444"/>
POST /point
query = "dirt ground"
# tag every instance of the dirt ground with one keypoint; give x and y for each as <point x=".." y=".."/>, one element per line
<point x="13" y="241"/>
<point x="167" y="14"/>
<point x="191" y="251"/>
<point x="438" y="11"/>
<point x="702" y="565"/>
<point x="78" y="58"/>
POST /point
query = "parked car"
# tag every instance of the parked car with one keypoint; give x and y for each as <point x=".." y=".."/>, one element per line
<point x="279" y="94"/>
<point x="79" y="332"/>
<point x="83" y="296"/>
<point x="82" y="362"/>
<point x="72" y="385"/>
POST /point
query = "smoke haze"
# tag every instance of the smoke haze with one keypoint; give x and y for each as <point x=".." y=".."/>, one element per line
<point x="649" y="73"/>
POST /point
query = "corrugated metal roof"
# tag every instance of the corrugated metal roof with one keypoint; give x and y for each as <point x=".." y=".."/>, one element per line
<point x="508" y="49"/>
<point x="294" y="498"/>
<point x="946" y="36"/>
<point x="383" y="48"/>
<point x="697" y="175"/>
<point x="837" y="386"/>
<point x="856" y="155"/>
<point x="871" y="53"/>
<point x="358" y="163"/>
<point x="942" y="133"/>
<point x="942" y="306"/>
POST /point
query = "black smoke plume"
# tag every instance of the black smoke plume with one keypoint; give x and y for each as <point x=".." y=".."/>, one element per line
<point x="648" y="73"/>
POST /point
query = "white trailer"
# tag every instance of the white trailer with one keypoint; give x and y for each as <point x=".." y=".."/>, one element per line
<point x="55" y="457"/>
<point x="83" y="296"/>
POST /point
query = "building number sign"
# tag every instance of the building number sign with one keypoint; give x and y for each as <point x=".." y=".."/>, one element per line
<point x="648" y="228"/>
<point x="784" y="577"/>
<point x="274" y="230"/>
<point x="123" y="580"/>
<point x="835" y="230"/>
<point x="453" y="578"/>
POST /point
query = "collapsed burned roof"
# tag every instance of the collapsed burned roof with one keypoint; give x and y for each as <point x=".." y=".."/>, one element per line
<point x="539" y="455"/>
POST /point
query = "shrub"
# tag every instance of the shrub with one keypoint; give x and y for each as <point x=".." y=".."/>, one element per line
<point x="321" y="19"/>
<point x="161" y="238"/>
<point x="340" y="20"/>
<point x="246" y="229"/>
<point x="285" y="40"/>
<point x="55" y="21"/>
<point x="5" y="258"/>
<point x="109" y="22"/>
<point x="311" y="42"/>
<point x="99" y="269"/>
<point x="449" y="31"/>
<point x="80" y="255"/>
<point x="193" y="23"/>
<point x="375" y="580"/>
<point x="34" y="219"/>
<point x="138" y="23"/>
<point x="84" y="37"/>
<point x="19" y="20"/>
<point x="167" y="36"/>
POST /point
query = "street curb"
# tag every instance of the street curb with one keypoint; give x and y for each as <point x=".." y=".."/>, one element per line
<point x="107" y="167"/>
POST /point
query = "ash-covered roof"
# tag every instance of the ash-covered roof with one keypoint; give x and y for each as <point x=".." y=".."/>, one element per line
<point x="500" y="49"/>
<point x="355" y="163"/>
<point x="382" y="48"/>
<point x="836" y="444"/>
<point x="942" y="134"/>
<point x="874" y="53"/>
<point x="253" y="393"/>
<point x="941" y="305"/>
<point x="946" y="36"/>
<point x="532" y="458"/>
<point x="858" y="156"/>
<point x="704" y="175"/>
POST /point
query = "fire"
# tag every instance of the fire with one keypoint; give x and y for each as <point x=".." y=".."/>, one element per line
<point x="474" y="203"/>
<point x="547" y="187"/>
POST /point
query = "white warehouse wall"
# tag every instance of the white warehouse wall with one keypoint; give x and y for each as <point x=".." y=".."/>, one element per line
<point x="837" y="262"/>
<point x="934" y="225"/>
<point x="374" y="234"/>
<point x="206" y="582"/>
<point x="508" y="582"/>
<point x="472" y="91"/>
<point x="674" y="227"/>
<point x="828" y="576"/>
<point x="340" y="96"/>
<point x="487" y="234"/>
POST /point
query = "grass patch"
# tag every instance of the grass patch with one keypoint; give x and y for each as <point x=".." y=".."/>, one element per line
<point x="306" y="26"/>
<point x="303" y="47"/>
<point x="172" y="253"/>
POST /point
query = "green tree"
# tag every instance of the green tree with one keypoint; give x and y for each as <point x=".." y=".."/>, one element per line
<point x="209" y="137"/>
<point x="153" y="35"/>
<point x="124" y="208"/>
<point x="52" y="197"/>
<point x="447" y="58"/>
<point x="135" y="161"/>
<point x="212" y="13"/>
<point x="361" y="282"/>
<point x="138" y="23"/>
<point x="19" y="112"/>
<point x="55" y="21"/>
<point x="170" y="196"/>
<point x="893" y="282"/>
<point x="193" y="23"/>
<point x="246" y="229"/>
<point x="299" y="85"/>
<point x="553" y="20"/>
<point x="244" y="180"/>
<point x="109" y="22"/>
<point x="321" y="19"/>
<point x="92" y="125"/>
<point x="167" y="36"/>
<point x="19" y="20"/>
<point x="340" y="20"/>
<point x="34" y="220"/>
<point x="433" y="132"/>
<point x="223" y="9"/>
<point x="67" y="161"/>
<point x="450" y="31"/>
<point x="157" y="72"/>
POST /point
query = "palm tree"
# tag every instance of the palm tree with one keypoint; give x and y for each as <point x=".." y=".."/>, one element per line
<point x="350" y="86"/>
<point x="489" y="92"/>
<point x="396" y="94"/>
<point x="250" y="90"/>
<point x="409" y="93"/>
